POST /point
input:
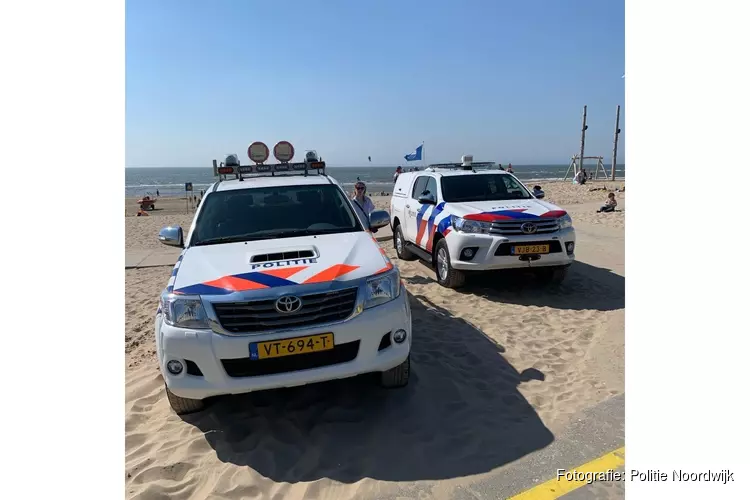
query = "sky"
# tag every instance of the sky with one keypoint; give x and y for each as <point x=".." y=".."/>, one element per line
<point x="505" y="81"/>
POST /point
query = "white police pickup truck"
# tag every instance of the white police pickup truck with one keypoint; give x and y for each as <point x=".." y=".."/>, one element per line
<point x="464" y="217"/>
<point x="279" y="284"/>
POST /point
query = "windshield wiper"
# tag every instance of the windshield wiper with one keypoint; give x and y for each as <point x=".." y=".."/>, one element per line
<point x="232" y="239"/>
<point x="270" y="236"/>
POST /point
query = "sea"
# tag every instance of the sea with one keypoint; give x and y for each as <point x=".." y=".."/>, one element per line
<point x="171" y="181"/>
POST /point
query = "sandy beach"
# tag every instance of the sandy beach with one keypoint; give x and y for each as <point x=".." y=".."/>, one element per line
<point x="499" y="368"/>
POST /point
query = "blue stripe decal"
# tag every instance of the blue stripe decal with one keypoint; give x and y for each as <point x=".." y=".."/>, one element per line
<point x="512" y="214"/>
<point x="201" y="289"/>
<point x="420" y="214"/>
<point x="176" y="268"/>
<point x="444" y="224"/>
<point x="433" y="215"/>
<point x="265" y="279"/>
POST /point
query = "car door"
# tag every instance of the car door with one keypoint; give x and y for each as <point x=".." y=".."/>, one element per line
<point x="425" y="213"/>
<point x="412" y="209"/>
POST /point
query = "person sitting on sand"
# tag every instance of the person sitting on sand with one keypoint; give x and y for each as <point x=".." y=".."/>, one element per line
<point x="579" y="178"/>
<point x="363" y="202"/>
<point x="537" y="192"/>
<point x="609" y="205"/>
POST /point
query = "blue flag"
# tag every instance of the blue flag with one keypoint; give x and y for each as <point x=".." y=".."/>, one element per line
<point x="416" y="155"/>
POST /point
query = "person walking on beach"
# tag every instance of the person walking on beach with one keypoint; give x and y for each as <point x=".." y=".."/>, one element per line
<point x="609" y="205"/>
<point x="363" y="202"/>
<point x="510" y="168"/>
<point x="157" y="193"/>
<point x="398" y="172"/>
<point x="500" y="166"/>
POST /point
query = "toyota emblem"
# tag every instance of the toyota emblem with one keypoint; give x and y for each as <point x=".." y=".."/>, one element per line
<point x="288" y="304"/>
<point x="528" y="228"/>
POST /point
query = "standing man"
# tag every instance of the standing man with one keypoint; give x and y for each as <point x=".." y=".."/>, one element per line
<point x="398" y="172"/>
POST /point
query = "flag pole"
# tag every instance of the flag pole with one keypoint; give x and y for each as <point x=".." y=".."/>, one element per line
<point x="424" y="158"/>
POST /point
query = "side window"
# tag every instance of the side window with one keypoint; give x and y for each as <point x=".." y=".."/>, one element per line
<point x="431" y="187"/>
<point x="419" y="186"/>
<point x="512" y="187"/>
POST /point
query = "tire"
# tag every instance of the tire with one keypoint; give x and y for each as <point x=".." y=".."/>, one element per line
<point x="399" y="243"/>
<point x="183" y="406"/>
<point x="444" y="272"/>
<point x="553" y="276"/>
<point x="398" y="376"/>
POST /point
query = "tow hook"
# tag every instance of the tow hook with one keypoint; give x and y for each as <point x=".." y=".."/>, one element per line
<point x="529" y="257"/>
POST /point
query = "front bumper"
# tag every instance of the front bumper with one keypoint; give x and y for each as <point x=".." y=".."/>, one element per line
<point x="488" y="246"/>
<point x="207" y="350"/>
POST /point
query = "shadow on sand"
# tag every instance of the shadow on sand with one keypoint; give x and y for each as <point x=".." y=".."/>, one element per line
<point x="461" y="414"/>
<point x="586" y="287"/>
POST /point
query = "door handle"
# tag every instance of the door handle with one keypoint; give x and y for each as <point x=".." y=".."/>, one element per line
<point x="407" y="206"/>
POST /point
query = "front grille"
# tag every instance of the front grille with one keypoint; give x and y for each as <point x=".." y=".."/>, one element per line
<point x="245" y="367"/>
<point x="508" y="227"/>
<point x="261" y="315"/>
<point x="503" y="249"/>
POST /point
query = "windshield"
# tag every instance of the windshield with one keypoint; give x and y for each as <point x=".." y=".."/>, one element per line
<point x="483" y="187"/>
<point x="273" y="212"/>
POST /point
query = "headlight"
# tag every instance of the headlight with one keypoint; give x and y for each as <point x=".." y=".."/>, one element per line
<point x="565" y="221"/>
<point x="470" y="226"/>
<point x="183" y="312"/>
<point x="382" y="289"/>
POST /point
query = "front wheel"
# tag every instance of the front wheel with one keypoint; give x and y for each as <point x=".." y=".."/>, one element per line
<point x="398" y="376"/>
<point x="400" y="244"/>
<point x="446" y="275"/>
<point x="183" y="406"/>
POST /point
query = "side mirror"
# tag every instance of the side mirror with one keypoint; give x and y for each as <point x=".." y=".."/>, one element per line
<point x="171" y="236"/>
<point x="540" y="196"/>
<point x="428" y="198"/>
<point x="379" y="218"/>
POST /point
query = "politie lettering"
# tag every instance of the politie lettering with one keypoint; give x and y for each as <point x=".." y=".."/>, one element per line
<point x="284" y="263"/>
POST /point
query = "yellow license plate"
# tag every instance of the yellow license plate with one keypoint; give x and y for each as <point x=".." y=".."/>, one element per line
<point x="527" y="249"/>
<point x="291" y="347"/>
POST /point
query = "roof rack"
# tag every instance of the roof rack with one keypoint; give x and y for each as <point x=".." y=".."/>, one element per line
<point x="241" y="172"/>
<point x="477" y="165"/>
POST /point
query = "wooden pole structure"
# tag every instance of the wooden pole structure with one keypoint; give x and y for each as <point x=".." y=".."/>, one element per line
<point x="583" y="141"/>
<point x="617" y="135"/>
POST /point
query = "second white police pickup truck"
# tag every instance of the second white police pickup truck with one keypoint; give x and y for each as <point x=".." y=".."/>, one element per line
<point x="464" y="217"/>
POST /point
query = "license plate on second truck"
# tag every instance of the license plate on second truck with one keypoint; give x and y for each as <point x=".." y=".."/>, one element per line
<point x="529" y="249"/>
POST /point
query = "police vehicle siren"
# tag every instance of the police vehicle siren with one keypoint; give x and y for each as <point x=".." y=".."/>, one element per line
<point x="232" y="161"/>
<point x="258" y="152"/>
